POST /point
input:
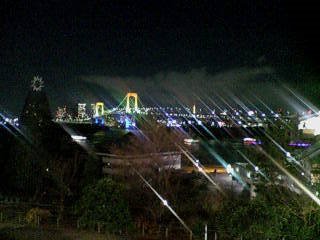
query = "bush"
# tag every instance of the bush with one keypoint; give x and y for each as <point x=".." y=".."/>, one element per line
<point x="33" y="213"/>
<point x="104" y="204"/>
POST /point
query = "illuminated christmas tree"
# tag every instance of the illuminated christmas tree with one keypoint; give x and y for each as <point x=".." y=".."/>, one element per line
<point x="36" y="111"/>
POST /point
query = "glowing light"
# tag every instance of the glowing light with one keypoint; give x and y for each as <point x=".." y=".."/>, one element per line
<point x="310" y="125"/>
<point x="78" y="138"/>
<point x="294" y="179"/>
<point x="135" y="97"/>
<point x="256" y="168"/>
<point x="299" y="144"/>
<point x="289" y="157"/>
<point x="251" y="141"/>
<point x="190" y="141"/>
<point x="165" y="202"/>
<point x="250" y="113"/>
<point x="196" y="163"/>
<point x="37" y="84"/>
<point x="229" y="169"/>
<point x="99" y="109"/>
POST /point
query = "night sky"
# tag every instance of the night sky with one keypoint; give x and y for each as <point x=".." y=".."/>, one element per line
<point x="99" y="50"/>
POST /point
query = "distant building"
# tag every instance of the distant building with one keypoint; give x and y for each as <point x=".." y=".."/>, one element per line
<point x="61" y="114"/>
<point x="82" y="114"/>
<point x="310" y="125"/>
<point x="117" y="164"/>
<point x="92" y="110"/>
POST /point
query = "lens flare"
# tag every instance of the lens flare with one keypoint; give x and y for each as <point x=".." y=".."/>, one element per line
<point x="165" y="202"/>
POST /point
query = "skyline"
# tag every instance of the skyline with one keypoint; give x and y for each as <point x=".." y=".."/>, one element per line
<point x="223" y="91"/>
<point x="78" y="48"/>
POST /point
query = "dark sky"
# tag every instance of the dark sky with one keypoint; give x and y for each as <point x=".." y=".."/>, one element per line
<point x="76" y="47"/>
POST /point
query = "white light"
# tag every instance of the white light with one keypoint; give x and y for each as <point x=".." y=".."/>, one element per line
<point x="288" y="154"/>
<point x="250" y="113"/>
<point x="229" y="168"/>
<point x="78" y="138"/>
<point x="312" y="124"/>
<point x="256" y="168"/>
<point x="165" y="202"/>
<point x="302" y="173"/>
<point x="197" y="165"/>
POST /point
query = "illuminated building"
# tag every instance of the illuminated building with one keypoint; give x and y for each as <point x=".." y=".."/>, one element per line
<point x="311" y="125"/>
<point x="118" y="164"/>
<point x="61" y="114"/>
<point x="194" y="109"/>
<point x="82" y="115"/>
<point x="92" y="110"/>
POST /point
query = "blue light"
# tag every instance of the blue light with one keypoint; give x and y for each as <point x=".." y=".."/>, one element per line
<point x="127" y="123"/>
<point x="99" y="121"/>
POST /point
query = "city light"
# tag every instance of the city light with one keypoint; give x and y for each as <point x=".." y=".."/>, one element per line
<point x="310" y="125"/>
<point x="229" y="169"/>
<point x="78" y="138"/>
<point x="160" y="120"/>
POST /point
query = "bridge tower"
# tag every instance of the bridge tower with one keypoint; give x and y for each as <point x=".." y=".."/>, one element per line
<point x="128" y="97"/>
<point x="99" y="111"/>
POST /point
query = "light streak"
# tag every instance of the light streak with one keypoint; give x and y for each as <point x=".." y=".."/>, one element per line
<point x="287" y="154"/>
<point x="294" y="179"/>
<point x="165" y="202"/>
<point x="224" y="164"/>
<point x="253" y="165"/>
<point x="197" y="164"/>
<point x="305" y="102"/>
